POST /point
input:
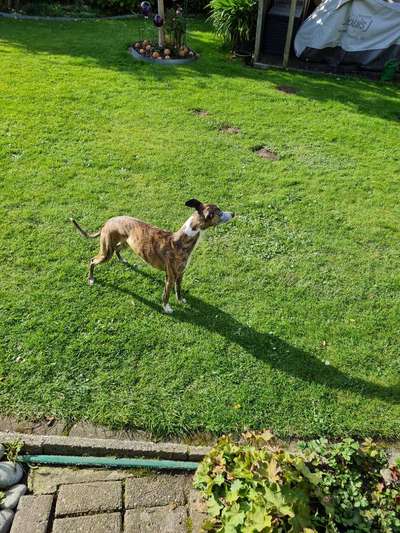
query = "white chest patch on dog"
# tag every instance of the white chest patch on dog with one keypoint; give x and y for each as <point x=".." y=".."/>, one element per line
<point x="188" y="230"/>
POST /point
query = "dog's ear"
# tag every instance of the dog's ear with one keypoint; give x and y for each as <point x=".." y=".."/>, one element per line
<point x="194" y="203"/>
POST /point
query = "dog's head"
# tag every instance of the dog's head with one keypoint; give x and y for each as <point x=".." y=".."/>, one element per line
<point x="208" y="215"/>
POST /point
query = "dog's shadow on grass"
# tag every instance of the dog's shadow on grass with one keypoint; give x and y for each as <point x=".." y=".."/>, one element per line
<point x="271" y="349"/>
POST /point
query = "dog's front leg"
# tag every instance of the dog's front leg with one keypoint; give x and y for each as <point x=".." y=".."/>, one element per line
<point x="169" y="283"/>
<point x="178" y="293"/>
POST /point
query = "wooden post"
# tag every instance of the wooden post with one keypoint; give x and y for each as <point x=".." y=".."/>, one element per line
<point x="161" y="32"/>
<point x="262" y="4"/>
<point x="289" y="33"/>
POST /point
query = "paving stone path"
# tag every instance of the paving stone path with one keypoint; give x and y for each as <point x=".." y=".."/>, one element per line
<point x="69" y="500"/>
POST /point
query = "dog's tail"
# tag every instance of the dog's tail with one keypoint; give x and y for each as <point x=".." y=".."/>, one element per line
<point x="83" y="232"/>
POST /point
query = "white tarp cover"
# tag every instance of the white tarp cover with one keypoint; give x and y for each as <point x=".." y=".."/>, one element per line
<point x="363" y="32"/>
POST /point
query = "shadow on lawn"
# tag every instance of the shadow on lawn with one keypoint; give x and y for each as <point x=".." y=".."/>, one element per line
<point x="274" y="351"/>
<point x="105" y="43"/>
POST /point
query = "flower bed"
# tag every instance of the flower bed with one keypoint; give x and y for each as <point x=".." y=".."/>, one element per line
<point x="255" y="485"/>
<point x="147" y="51"/>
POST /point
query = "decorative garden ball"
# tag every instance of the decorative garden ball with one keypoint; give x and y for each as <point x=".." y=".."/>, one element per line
<point x="137" y="45"/>
<point x="156" y="55"/>
<point x="141" y="51"/>
<point x="167" y="52"/>
<point x="158" y="21"/>
<point x="148" y="48"/>
<point x="146" y="8"/>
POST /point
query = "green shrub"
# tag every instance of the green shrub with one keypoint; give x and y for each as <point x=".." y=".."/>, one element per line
<point x="197" y="6"/>
<point x="83" y="7"/>
<point x="57" y="9"/>
<point x="234" y="20"/>
<point x="256" y="486"/>
<point x="175" y="28"/>
<point x="117" y="6"/>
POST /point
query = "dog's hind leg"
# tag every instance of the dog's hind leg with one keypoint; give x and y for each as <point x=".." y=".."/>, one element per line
<point x="105" y="254"/>
<point x="119" y="256"/>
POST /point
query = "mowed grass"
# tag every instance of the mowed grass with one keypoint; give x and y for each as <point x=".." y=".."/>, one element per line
<point x="293" y="315"/>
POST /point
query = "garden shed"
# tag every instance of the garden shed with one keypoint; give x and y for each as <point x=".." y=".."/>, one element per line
<point x="333" y="34"/>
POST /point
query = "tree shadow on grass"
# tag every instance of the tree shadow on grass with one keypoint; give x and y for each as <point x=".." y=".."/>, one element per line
<point x="105" y="43"/>
<point x="268" y="348"/>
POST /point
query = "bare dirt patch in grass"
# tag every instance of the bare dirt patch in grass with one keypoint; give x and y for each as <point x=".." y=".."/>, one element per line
<point x="288" y="89"/>
<point x="233" y="130"/>
<point x="265" y="153"/>
<point x="200" y="112"/>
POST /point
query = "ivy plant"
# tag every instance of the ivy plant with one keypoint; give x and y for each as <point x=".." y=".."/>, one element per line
<point x="255" y="485"/>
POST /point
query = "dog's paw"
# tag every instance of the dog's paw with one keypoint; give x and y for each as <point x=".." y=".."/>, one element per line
<point x="91" y="282"/>
<point x="168" y="309"/>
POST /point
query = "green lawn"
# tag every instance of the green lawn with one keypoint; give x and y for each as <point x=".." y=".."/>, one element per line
<point x="293" y="316"/>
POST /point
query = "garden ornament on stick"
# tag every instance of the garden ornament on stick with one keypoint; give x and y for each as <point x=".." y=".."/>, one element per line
<point x="161" y="32"/>
<point x="146" y="8"/>
<point x="158" y="21"/>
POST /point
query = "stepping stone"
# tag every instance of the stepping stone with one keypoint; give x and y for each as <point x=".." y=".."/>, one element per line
<point x="13" y="494"/>
<point x="82" y="498"/>
<point x="47" y="479"/>
<point x="197" y="510"/>
<point x="33" y="514"/>
<point x="157" y="519"/>
<point x="155" y="491"/>
<point x="10" y="474"/>
<point x="6" y="518"/>
<point x="97" y="523"/>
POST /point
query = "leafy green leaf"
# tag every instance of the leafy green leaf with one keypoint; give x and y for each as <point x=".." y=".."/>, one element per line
<point x="214" y="508"/>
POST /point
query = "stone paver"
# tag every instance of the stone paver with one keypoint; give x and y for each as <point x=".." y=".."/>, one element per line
<point x="394" y="454"/>
<point x="156" y="520"/>
<point x="155" y="491"/>
<point x="86" y="429"/>
<point x="98" y="523"/>
<point x="54" y="444"/>
<point x="80" y="498"/>
<point x="47" y="479"/>
<point x="197" y="510"/>
<point x="8" y="423"/>
<point x="109" y="501"/>
<point x="33" y="514"/>
<point x="197" y="453"/>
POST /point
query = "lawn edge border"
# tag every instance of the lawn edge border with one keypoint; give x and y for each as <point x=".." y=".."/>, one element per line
<point x="17" y="16"/>
<point x="95" y="447"/>
<point x="60" y="445"/>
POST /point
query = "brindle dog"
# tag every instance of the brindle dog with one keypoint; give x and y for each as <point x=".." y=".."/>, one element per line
<point x="164" y="250"/>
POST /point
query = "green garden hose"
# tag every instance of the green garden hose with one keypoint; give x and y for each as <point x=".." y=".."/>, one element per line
<point x="109" y="462"/>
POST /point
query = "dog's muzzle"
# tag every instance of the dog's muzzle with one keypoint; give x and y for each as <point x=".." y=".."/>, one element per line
<point x="225" y="216"/>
